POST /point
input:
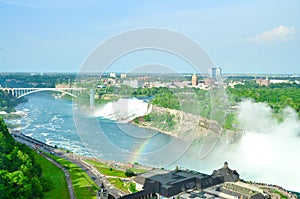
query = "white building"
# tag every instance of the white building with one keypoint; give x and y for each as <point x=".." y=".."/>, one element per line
<point x="278" y="81"/>
<point x="113" y="75"/>
<point x="133" y="83"/>
<point x="219" y="73"/>
<point x="123" y="75"/>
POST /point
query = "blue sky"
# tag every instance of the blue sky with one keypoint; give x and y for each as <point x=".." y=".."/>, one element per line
<point x="240" y="36"/>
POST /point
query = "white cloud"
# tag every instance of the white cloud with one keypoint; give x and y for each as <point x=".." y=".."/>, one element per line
<point x="281" y="33"/>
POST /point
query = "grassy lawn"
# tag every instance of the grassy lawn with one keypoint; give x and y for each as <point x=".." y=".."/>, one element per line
<point x="138" y="171"/>
<point x="55" y="177"/>
<point x="106" y="169"/>
<point x="126" y="187"/>
<point x="282" y="196"/>
<point x="83" y="185"/>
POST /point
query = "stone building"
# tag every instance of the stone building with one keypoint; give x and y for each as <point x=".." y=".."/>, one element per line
<point x="263" y="82"/>
<point x="194" y="80"/>
<point x="228" y="174"/>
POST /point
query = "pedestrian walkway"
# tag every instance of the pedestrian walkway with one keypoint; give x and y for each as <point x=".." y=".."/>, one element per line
<point x="67" y="175"/>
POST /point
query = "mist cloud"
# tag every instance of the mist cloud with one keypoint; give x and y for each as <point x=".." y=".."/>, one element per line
<point x="259" y="118"/>
<point x="268" y="150"/>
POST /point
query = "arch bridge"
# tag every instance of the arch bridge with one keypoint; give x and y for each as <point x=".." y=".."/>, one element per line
<point x="21" y="92"/>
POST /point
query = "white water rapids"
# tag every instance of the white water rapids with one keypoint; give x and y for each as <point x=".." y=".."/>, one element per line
<point x="123" y="110"/>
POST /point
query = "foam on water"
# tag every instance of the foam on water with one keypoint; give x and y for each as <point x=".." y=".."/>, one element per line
<point x="49" y="141"/>
<point x="29" y="134"/>
<point x="123" y="110"/>
<point x="45" y="134"/>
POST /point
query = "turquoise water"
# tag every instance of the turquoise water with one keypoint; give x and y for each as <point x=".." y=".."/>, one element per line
<point x="297" y="193"/>
<point x="51" y="121"/>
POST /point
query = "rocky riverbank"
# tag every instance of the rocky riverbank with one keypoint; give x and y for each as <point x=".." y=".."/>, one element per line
<point x="177" y="123"/>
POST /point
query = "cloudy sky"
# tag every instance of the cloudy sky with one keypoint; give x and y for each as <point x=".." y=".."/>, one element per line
<point x="241" y="37"/>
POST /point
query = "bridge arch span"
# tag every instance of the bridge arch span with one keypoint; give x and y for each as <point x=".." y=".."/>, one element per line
<point x="48" y="89"/>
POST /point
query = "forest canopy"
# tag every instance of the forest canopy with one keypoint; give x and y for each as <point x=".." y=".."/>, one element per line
<point x="19" y="173"/>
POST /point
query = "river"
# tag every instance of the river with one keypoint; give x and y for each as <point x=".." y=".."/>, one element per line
<point x="51" y="121"/>
<point x="255" y="157"/>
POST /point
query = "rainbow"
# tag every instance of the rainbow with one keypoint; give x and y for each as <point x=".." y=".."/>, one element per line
<point x="138" y="151"/>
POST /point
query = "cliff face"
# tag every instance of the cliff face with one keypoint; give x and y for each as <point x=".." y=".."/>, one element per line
<point x="177" y="123"/>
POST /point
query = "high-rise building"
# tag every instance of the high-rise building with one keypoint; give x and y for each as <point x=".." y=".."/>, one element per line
<point x="123" y="75"/>
<point x="219" y="73"/>
<point x="194" y="80"/>
<point x="215" y="73"/>
<point x="212" y="73"/>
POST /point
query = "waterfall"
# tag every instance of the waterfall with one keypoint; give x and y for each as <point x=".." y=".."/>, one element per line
<point x="123" y="110"/>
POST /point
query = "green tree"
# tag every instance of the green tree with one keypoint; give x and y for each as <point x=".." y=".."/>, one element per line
<point x="129" y="173"/>
<point x="19" y="173"/>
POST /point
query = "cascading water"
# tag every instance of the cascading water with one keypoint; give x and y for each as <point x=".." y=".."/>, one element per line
<point x="123" y="110"/>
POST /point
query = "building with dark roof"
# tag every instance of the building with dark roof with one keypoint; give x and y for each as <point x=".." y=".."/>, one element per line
<point x="168" y="184"/>
<point x="228" y="174"/>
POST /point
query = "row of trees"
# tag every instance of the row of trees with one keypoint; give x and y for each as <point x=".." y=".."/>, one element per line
<point x="278" y="96"/>
<point x="190" y="100"/>
<point x="211" y="104"/>
<point x="26" y="80"/>
<point x="19" y="173"/>
<point x="23" y="80"/>
<point x="8" y="102"/>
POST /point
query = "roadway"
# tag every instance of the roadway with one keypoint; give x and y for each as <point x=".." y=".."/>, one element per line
<point x="93" y="173"/>
<point x="98" y="177"/>
<point x="19" y="137"/>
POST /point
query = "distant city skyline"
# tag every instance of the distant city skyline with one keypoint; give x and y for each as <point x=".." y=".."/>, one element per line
<point x="241" y="37"/>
